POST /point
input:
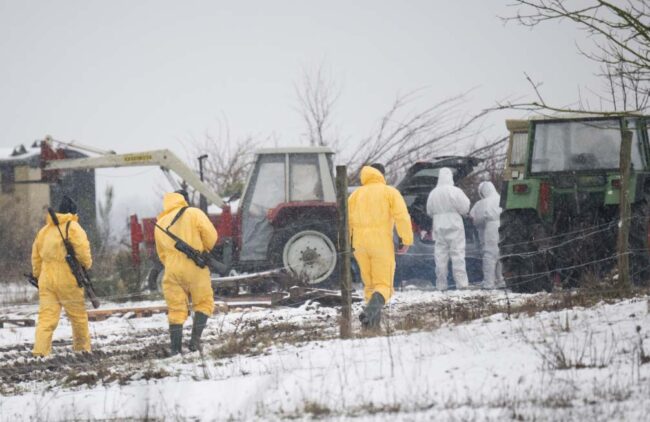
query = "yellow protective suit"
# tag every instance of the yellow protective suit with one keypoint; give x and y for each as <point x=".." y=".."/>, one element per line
<point x="183" y="279"/>
<point x="374" y="210"/>
<point x="57" y="287"/>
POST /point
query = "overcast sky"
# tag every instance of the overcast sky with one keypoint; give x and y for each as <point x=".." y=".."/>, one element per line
<point x="137" y="75"/>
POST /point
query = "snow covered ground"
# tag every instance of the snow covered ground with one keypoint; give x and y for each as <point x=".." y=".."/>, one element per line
<point x="458" y="356"/>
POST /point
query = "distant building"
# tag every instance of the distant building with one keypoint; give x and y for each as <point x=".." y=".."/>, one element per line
<point x="26" y="191"/>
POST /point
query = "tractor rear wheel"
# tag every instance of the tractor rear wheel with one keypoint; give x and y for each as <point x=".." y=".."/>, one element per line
<point x="522" y="239"/>
<point x="308" y="250"/>
<point x="638" y="241"/>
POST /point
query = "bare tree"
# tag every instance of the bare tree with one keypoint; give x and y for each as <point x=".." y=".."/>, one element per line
<point x="493" y="156"/>
<point x="228" y="162"/>
<point x="618" y="99"/>
<point x="403" y="135"/>
<point x="621" y="45"/>
<point x="104" y="210"/>
<point x="317" y="95"/>
<point x="625" y="90"/>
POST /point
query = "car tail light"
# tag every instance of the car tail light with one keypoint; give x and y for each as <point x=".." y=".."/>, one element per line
<point x="520" y="188"/>
<point x="544" y="198"/>
<point x="616" y="183"/>
<point x="415" y="227"/>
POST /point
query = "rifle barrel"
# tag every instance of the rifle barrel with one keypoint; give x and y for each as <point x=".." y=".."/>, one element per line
<point x="201" y="259"/>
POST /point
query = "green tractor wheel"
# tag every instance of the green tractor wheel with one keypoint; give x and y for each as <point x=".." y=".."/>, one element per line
<point x="523" y="243"/>
<point x="638" y="241"/>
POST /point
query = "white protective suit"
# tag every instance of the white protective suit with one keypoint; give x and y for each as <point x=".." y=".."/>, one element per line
<point x="485" y="214"/>
<point x="446" y="204"/>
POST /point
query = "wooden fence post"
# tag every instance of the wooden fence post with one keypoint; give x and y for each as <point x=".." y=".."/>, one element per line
<point x="625" y="213"/>
<point x="344" y="251"/>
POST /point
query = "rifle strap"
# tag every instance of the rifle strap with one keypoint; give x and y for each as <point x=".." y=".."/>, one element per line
<point x="177" y="216"/>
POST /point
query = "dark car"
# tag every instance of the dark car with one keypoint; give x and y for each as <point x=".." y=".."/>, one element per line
<point x="415" y="187"/>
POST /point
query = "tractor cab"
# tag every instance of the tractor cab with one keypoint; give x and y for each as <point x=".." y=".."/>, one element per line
<point x="288" y="213"/>
<point x="517" y="151"/>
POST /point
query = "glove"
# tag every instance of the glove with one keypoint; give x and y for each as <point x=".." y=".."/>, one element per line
<point x="401" y="248"/>
<point x="31" y="279"/>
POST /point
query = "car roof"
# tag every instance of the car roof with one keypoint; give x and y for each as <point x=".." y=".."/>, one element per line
<point x="447" y="160"/>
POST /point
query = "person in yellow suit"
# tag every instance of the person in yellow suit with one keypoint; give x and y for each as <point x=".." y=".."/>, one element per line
<point x="57" y="286"/>
<point x="183" y="279"/>
<point x="374" y="210"/>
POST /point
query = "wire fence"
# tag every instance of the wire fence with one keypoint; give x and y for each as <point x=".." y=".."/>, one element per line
<point x="511" y="284"/>
<point x="566" y="239"/>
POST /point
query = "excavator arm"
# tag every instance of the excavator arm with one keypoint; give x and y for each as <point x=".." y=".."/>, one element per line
<point x="163" y="158"/>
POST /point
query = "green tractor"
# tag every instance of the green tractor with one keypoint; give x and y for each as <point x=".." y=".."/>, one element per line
<point x="560" y="201"/>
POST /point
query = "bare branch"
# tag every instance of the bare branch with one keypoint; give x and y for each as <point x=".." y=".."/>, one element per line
<point x="317" y="95"/>
<point x="621" y="43"/>
<point x="403" y="135"/>
<point x="620" y="91"/>
<point x="228" y="162"/>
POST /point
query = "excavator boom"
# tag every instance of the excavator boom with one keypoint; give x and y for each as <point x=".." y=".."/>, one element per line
<point x="163" y="158"/>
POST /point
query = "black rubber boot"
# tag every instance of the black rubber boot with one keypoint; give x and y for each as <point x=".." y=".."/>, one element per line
<point x="200" y="321"/>
<point x="176" y="337"/>
<point x="364" y="319"/>
<point x="371" y="316"/>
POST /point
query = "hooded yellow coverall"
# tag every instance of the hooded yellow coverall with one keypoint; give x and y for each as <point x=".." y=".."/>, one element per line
<point x="57" y="286"/>
<point x="183" y="278"/>
<point x="374" y="209"/>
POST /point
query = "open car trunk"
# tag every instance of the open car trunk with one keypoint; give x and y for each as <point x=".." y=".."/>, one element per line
<point x="415" y="187"/>
<point x="420" y="180"/>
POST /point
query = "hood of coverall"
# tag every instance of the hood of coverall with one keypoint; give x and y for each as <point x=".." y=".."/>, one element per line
<point x="63" y="218"/>
<point x="445" y="177"/>
<point x="371" y="175"/>
<point x="486" y="189"/>
<point x="67" y="206"/>
<point x="172" y="201"/>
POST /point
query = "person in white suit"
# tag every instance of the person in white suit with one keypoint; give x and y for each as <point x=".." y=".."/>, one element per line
<point x="446" y="205"/>
<point x="485" y="215"/>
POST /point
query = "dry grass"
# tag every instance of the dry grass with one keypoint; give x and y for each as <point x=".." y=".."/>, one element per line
<point x="92" y="378"/>
<point x="255" y="339"/>
<point x="643" y="357"/>
<point x="105" y="376"/>
<point x="562" y="354"/>
<point x="316" y="409"/>
<point x="429" y="316"/>
<point x="374" y="409"/>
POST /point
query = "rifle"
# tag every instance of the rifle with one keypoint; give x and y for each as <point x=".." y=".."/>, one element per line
<point x="201" y="259"/>
<point x="78" y="271"/>
<point x="31" y="279"/>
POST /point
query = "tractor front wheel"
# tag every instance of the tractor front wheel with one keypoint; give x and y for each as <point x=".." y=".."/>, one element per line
<point x="522" y="240"/>
<point x="638" y="241"/>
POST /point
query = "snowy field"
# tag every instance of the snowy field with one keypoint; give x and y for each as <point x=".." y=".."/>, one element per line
<point x="462" y="356"/>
